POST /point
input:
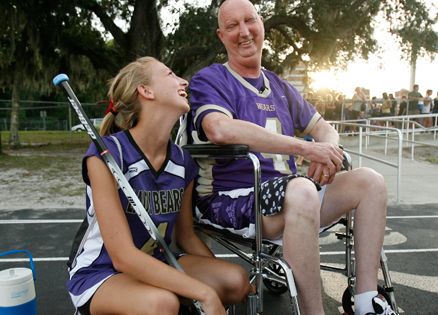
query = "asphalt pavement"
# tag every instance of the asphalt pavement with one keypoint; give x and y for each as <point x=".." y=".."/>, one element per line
<point x="411" y="244"/>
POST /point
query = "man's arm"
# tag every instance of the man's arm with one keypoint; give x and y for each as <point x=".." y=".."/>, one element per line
<point x="221" y="129"/>
<point x="323" y="132"/>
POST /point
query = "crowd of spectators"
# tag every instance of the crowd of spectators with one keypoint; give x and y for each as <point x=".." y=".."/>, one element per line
<point x="334" y="106"/>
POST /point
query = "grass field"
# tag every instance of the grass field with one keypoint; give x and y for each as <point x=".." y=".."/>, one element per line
<point x="35" y="138"/>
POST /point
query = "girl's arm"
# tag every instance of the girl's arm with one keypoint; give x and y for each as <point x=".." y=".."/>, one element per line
<point x="185" y="236"/>
<point x="125" y="256"/>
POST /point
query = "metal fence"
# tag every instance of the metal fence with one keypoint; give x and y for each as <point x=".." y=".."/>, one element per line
<point x="46" y="115"/>
<point x="366" y="130"/>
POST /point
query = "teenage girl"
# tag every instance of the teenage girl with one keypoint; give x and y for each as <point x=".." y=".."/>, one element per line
<point x="115" y="266"/>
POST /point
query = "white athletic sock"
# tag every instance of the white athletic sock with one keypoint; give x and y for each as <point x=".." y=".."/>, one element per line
<point x="363" y="303"/>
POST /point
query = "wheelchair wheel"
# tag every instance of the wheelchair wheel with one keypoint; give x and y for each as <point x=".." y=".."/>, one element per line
<point x="274" y="286"/>
<point x="348" y="299"/>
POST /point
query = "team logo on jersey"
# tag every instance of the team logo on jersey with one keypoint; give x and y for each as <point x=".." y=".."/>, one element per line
<point x="266" y="107"/>
<point x="159" y="201"/>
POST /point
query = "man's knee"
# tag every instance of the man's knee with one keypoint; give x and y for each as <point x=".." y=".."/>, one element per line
<point x="302" y="202"/>
<point x="368" y="180"/>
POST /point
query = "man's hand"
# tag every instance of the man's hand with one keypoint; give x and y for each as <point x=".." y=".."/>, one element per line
<point x="326" y="159"/>
<point x="320" y="173"/>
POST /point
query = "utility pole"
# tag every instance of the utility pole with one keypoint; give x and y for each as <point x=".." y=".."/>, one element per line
<point x="413" y="72"/>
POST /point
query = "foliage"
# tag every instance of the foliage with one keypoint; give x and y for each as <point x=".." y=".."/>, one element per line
<point x="328" y="32"/>
<point x="194" y="43"/>
<point x="414" y="30"/>
<point x="91" y="39"/>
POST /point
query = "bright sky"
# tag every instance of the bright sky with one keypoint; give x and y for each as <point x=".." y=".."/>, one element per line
<point x="386" y="72"/>
<point x="383" y="72"/>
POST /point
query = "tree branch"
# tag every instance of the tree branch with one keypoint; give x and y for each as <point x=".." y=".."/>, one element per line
<point x="297" y="24"/>
<point x="107" y="21"/>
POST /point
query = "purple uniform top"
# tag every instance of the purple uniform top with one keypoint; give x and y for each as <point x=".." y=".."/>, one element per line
<point x="161" y="193"/>
<point x="268" y="101"/>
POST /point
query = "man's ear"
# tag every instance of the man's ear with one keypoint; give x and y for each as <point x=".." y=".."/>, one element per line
<point x="146" y="92"/>
<point x="219" y="34"/>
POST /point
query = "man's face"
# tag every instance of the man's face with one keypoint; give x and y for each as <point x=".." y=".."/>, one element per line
<point x="241" y="31"/>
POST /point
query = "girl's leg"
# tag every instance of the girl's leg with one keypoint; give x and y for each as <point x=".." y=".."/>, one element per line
<point x="228" y="279"/>
<point x="121" y="294"/>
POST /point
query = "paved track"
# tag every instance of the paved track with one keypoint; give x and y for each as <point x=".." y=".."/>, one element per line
<point x="411" y="245"/>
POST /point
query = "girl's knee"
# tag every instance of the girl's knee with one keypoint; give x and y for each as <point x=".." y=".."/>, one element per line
<point x="162" y="302"/>
<point x="237" y="286"/>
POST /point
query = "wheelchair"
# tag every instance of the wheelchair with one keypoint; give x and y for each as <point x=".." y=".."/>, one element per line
<point x="268" y="268"/>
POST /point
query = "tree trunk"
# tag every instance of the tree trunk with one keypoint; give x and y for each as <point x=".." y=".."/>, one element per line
<point x="14" y="140"/>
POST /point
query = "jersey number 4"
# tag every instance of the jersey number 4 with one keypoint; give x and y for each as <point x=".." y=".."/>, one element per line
<point x="280" y="161"/>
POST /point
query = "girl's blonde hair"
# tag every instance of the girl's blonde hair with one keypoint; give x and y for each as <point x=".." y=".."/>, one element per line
<point x="123" y="94"/>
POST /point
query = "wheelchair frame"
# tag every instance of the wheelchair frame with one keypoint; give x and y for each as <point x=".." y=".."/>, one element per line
<point x="261" y="259"/>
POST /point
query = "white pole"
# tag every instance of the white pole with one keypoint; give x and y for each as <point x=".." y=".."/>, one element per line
<point x="413" y="72"/>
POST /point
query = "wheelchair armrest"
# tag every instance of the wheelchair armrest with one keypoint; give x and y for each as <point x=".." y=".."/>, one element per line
<point x="346" y="162"/>
<point x="217" y="151"/>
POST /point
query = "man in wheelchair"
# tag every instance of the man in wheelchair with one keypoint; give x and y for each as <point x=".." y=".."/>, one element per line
<point x="239" y="102"/>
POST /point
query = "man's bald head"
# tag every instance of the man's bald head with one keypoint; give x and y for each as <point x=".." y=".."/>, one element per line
<point x="226" y="4"/>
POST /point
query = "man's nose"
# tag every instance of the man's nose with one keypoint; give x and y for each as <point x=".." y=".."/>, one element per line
<point x="243" y="28"/>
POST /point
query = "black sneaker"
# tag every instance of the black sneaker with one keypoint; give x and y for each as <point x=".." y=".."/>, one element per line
<point x="381" y="307"/>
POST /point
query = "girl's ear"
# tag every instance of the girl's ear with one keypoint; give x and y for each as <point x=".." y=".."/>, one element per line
<point x="146" y="92"/>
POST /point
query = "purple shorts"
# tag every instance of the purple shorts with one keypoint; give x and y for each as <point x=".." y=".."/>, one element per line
<point x="234" y="210"/>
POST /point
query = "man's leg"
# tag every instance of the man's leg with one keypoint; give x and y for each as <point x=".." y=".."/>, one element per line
<point x="362" y="189"/>
<point x="299" y="222"/>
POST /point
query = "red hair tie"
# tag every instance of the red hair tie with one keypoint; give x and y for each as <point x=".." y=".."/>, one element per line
<point x="111" y="109"/>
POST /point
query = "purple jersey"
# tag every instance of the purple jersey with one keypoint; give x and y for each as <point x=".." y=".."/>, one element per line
<point x="269" y="102"/>
<point x="161" y="193"/>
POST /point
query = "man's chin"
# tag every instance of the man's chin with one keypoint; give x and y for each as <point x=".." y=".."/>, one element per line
<point x="248" y="52"/>
<point x="250" y="59"/>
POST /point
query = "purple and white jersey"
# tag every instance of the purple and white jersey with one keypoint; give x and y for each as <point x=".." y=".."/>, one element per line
<point x="269" y="101"/>
<point x="161" y="193"/>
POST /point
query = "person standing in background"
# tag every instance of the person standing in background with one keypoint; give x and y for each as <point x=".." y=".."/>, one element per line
<point x="403" y="106"/>
<point x="427" y="105"/>
<point x="414" y="97"/>
<point x="359" y="103"/>
<point x="435" y="108"/>
<point x="393" y="104"/>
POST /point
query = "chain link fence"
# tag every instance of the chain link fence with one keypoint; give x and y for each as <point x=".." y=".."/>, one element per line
<point x="47" y="115"/>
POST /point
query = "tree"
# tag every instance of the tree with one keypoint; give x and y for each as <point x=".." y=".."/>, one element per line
<point x="415" y="35"/>
<point x="92" y="39"/>
<point x="31" y="50"/>
<point x="20" y="58"/>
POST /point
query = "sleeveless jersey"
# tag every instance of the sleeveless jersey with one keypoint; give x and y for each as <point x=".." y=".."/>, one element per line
<point x="272" y="103"/>
<point x="161" y="194"/>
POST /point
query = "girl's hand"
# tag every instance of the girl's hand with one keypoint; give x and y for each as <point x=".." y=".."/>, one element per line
<point x="212" y="305"/>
